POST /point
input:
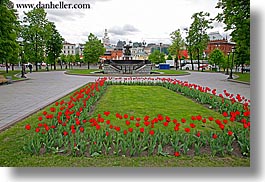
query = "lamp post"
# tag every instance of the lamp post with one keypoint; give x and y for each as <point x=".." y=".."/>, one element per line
<point x="23" y="70"/>
<point x="232" y="64"/>
<point x="227" y="73"/>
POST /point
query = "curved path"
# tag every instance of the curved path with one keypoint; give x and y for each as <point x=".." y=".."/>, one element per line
<point x="20" y="99"/>
<point x="218" y="81"/>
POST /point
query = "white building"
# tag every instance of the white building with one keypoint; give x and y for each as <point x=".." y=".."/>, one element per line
<point x="68" y="49"/>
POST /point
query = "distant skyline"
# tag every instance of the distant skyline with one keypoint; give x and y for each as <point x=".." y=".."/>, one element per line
<point x="151" y="21"/>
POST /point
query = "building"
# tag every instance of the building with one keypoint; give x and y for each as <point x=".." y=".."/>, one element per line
<point x="68" y="49"/>
<point x="217" y="41"/>
<point x="106" y="39"/>
<point x="138" y="52"/>
<point x="80" y="50"/>
<point x="161" y="47"/>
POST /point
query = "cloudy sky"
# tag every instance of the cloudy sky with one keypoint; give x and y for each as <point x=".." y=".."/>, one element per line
<point x="135" y="20"/>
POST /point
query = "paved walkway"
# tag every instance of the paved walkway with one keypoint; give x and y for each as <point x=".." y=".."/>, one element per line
<point x="20" y="99"/>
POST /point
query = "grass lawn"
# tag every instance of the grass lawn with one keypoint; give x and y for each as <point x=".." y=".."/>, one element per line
<point x="11" y="73"/>
<point x="82" y="71"/>
<point x="171" y="72"/>
<point x="133" y="100"/>
<point x="245" y="77"/>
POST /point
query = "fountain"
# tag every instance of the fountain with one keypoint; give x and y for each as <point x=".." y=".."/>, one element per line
<point x="127" y="65"/>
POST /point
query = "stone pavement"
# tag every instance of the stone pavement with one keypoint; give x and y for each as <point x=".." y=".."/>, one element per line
<point x="20" y="99"/>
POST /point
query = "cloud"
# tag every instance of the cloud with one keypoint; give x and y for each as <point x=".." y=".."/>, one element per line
<point x="125" y="30"/>
<point x="62" y="15"/>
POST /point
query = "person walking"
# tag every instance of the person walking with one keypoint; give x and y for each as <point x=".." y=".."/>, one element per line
<point x="30" y="68"/>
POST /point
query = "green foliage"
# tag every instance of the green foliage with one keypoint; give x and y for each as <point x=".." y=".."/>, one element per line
<point x="216" y="57"/>
<point x="54" y="43"/>
<point x="35" y="35"/>
<point x="169" y="57"/>
<point x="236" y="16"/>
<point x="8" y="35"/>
<point x="157" y="57"/>
<point x="93" y="49"/>
<point x="197" y="35"/>
<point x="177" y="44"/>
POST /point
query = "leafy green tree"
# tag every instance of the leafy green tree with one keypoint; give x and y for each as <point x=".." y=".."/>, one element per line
<point x="198" y="36"/>
<point x="157" y="57"/>
<point x="54" y="44"/>
<point x="236" y="16"/>
<point x="169" y="57"/>
<point x="177" y="45"/>
<point x="70" y="59"/>
<point x="77" y="59"/>
<point x="62" y="60"/>
<point x="9" y="27"/>
<point x="93" y="50"/>
<point x="35" y="35"/>
<point x="217" y="58"/>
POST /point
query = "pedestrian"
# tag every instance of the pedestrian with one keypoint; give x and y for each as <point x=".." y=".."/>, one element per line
<point x="30" y="68"/>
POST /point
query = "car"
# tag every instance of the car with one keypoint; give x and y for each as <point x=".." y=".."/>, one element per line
<point x="246" y="69"/>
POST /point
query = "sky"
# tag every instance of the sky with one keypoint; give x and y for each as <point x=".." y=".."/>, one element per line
<point x="151" y="21"/>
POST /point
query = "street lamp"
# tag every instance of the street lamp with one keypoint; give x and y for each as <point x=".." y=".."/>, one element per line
<point x="23" y="70"/>
<point x="232" y="64"/>
<point x="227" y="73"/>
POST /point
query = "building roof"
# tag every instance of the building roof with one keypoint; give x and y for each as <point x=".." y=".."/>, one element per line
<point x="215" y="36"/>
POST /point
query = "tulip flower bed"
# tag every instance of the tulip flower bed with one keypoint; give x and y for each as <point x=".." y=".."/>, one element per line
<point x="79" y="128"/>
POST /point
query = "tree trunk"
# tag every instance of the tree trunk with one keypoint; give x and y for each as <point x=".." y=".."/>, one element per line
<point x="6" y="67"/>
<point x="88" y="65"/>
<point x="54" y="67"/>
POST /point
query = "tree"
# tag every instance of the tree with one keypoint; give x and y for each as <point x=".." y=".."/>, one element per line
<point x="70" y="59"/>
<point x="54" y="44"/>
<point x="216" y="57"/>
<point x="35" y="35"/>
<point x="9" y="27"/>
<point x="198" y="36"/>
<point x="157" y="57"/>
<point x="93" y="50"/>
<point x="77" y="59"/>
<point x="169" y="57"/>
<point x="236" y="16"/>
<point x="177" y="45"/>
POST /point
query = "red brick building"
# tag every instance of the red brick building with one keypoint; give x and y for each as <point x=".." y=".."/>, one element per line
<point x="218" y="42"/>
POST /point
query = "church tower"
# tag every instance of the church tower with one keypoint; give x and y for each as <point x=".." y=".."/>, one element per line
<point x="106" y="40"/>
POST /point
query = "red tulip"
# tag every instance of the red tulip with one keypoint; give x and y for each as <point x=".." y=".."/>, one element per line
<point x="177" y="154"/>
<point x="152" y="132"/>
<point x="27" y="127"/>
<point x="192" y="125"/>
<point x="125" y="132"/>
<point x="183" y="120"/>
<point x="230" y="133"/>
<point x="214" y="136"/>
<point x="187" y="130"/>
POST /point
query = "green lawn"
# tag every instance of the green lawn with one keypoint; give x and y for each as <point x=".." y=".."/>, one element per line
<point x="133" y="100"/>
<point x="140" y="101"/>
<point x="172" y="72"/>
<point x="82" y="71"/>
<point x="245" y="77"/>
<point x="11" y="73"/>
